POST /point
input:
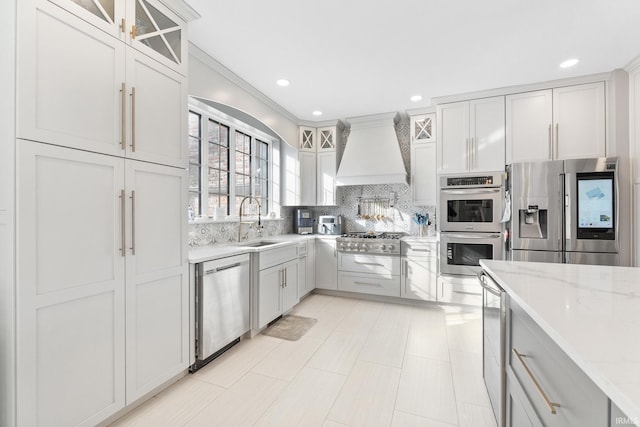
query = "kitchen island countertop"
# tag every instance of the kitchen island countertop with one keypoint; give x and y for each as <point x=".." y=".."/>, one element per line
<point x="591" y="312"/>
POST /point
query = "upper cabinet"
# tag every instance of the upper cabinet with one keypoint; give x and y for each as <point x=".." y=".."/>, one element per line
<point x="147" y="25"/>
<point x="80" y="87"/>
<point x="556" y="124"/>
<point x="471" y="136"/>
<point x="423" y="159"/>
<point x="318" y="164"/>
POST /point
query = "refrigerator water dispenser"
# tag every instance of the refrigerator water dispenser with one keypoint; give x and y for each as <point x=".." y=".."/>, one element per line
<point x="533" y="223"/>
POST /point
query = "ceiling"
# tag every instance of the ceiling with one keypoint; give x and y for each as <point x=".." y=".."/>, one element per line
<point x="350" y="58"/>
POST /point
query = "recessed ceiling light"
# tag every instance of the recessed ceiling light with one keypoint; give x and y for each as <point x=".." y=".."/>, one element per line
<point x="569" y="63"/>
<point x="283" y="82"/>
<point x="416" y="98"/>
<point x="317" y="113"/>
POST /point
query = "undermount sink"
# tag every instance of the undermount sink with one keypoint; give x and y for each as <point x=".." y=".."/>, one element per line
<point x="258" y="244"/>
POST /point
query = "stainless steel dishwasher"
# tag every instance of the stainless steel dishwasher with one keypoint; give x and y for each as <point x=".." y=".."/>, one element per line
<point x="222" y="306"/>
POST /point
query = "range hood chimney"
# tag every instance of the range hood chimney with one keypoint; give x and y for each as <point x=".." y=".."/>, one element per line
<point x="372" y="154"/>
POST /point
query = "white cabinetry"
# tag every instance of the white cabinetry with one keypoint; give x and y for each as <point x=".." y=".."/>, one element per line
<point x="579" y="121"/>
<point x="556" y="124"/>
<point x="277" y="283"/>
<point x="419" y="270"/>
<point x="157" y="276"/>
<point x="544" y="386"/>
<point x="147" y="25"/>
<point x="317" y="164"/>
<point x="307" y="178"/>
<point x="326" y="263"/>
<point x="83" y="88"/>
<point x="306" y="267"/>
<point x="471" y="136"/>
<point x="102" y="306"/>
<point x="423" y="160"/>
<point x="634" y="140"/>
<point x="84" y="251"/>
<point x="326" y="179"/>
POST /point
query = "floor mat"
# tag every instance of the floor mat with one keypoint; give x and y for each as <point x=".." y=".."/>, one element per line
<point x="290" y="327"/>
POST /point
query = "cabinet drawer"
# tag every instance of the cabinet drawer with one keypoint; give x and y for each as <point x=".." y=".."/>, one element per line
<point x="419" y="249"/>
<point x="460" y="291"/>
<point x="375" y="284"/>
<point x="377" y="264"/>
<point x="581" y="402"/>
<point x="277" y="256"/>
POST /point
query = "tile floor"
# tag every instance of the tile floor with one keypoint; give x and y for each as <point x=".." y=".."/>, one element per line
<point x="363" y="363"/>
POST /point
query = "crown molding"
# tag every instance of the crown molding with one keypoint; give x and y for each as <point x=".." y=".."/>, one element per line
<point x="182" y="9"/>
<point x="591" y="78"/>
<point x="220" y="68"/>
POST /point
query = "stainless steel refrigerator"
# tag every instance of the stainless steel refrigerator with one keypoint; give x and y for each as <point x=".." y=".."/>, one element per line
<point x="565" y="211"/>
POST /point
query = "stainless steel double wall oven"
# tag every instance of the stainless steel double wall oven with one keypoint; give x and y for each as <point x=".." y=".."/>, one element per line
<point x="470" y="222"/>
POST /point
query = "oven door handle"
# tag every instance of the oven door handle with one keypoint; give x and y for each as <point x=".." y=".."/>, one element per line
<point x="495" y="290"/>
<point x="471" y="191"/>
<point x="471" y="236"/>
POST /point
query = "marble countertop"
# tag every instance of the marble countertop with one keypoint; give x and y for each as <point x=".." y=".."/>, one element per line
<point x="206" y="253"/>
<point x="591" y="312"/>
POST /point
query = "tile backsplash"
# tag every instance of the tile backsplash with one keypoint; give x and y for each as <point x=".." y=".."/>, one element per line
<point x="217" y="232"/>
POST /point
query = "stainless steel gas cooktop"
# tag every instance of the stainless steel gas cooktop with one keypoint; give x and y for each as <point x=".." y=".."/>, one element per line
<point x="371" y="242"/>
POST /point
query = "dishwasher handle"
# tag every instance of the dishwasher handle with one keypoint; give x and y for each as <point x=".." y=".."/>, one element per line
<point x="492" y="288"/>
<point x="224" y="267"/>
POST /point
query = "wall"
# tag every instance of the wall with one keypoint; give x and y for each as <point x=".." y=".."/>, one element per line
<point x="7" y="209"/>
<point x="211" y="80"/>
<point x="399" y="218"/>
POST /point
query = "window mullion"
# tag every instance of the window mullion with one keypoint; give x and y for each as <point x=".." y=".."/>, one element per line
<point x="204" y="173"/>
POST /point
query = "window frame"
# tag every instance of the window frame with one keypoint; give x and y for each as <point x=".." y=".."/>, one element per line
<point x="207" y="113"/>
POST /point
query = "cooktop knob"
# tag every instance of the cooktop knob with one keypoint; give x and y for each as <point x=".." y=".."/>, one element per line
<point x="391" y="247"/>
<point x="383" y="247"/>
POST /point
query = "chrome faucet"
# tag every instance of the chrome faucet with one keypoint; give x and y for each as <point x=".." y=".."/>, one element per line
<point x="241" y="212"/>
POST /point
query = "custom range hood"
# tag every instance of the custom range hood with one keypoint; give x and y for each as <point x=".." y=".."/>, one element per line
<point x="372" y="153"/>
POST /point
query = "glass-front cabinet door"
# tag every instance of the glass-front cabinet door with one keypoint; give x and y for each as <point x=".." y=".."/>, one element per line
<point x="108" y="15"/>
<point x="423" y="128"/>
<point x="327" y="139"/>
<point x="307" y="139"/>
<point x="158" y="32"/>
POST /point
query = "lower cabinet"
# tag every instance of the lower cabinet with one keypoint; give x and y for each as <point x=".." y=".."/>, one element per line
<point x="544" y="386"/>
<point x="102" y="306"/>
<point x="277" y="284"/>
<point x="306" y="267"/>
<point x="459" y="290"/>
<point x="419" y="270"/>
<point x="326" y="261"/>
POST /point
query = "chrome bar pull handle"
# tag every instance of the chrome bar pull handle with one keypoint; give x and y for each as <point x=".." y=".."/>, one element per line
<point x="133" y="119"/>
<point x="123" y="117"/>
<point x="551" y="405"/>
<point x="133" y="222"/>
<point x="123" y="218"/>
